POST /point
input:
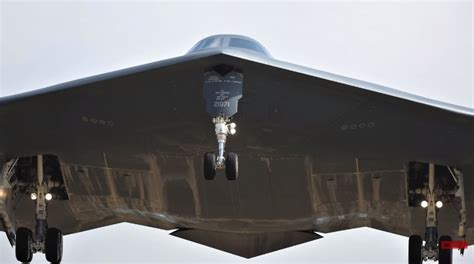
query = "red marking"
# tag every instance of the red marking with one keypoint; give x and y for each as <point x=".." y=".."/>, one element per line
<point x="453" y="244"/>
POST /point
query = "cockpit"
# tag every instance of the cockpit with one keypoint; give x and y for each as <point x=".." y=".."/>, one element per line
<point x="230" y="41"/>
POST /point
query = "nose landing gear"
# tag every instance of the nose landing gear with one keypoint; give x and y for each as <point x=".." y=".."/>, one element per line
<point x="211" y="163"/>
<point x="222" y="91"/>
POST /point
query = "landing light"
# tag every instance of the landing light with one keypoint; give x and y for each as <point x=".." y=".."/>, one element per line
<point x="48" y="197"/>
<point x="33" y="196"/>
<point x="424" y="204"/>
<point x="439" y="204"/>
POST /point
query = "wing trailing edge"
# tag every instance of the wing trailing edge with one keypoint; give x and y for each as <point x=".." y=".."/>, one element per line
<point x="247" y="245"/>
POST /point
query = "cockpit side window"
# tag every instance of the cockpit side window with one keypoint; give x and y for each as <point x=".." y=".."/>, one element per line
<point x="246" y="44"/>
<point x="208" y="43"/>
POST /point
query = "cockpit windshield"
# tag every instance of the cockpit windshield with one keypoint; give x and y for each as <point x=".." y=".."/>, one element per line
<point x="230" y="41"/>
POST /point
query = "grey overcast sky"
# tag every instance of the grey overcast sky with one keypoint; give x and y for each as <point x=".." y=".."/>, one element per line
<point x="420" y="47"/>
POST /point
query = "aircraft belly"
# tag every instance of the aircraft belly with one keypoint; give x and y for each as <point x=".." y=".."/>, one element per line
<point x="172" y="189"/>
<point x="273" y="193"/>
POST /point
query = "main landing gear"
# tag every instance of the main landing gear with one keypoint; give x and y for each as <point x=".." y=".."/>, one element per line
<point x="43" y="239"/>
<point x="434" y="194"/>
<point x="230" y="162"/>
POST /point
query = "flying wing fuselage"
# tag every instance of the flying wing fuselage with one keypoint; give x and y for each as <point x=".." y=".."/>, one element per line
<point x="231" y="148"/>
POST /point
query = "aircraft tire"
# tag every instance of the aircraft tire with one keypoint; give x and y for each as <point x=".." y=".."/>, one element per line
<point x="24" y="240"/>
<point x="414" y="249"/>
<point x="445" y="255"/>
<point x="54" y="245"/>
<point x="232" y="166"/>
<point x="209" y="164"/>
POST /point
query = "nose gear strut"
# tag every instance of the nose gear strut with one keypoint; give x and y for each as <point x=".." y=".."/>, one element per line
<point x="222" y="130"/>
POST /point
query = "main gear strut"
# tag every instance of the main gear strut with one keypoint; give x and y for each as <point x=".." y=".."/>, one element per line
<point x="434" y="197"/>
<point x="44" y="239"/>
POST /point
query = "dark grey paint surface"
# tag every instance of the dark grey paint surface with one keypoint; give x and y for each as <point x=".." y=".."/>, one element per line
<point x="222" y="93"/>
<point x="317" y="151"/>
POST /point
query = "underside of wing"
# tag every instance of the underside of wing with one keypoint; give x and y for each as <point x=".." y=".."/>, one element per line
<point x="162" y="100"/>
<point x="317" y="151"/>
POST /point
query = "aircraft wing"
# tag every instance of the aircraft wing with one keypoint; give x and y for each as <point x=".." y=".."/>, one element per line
<point x="317" y="151"/>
